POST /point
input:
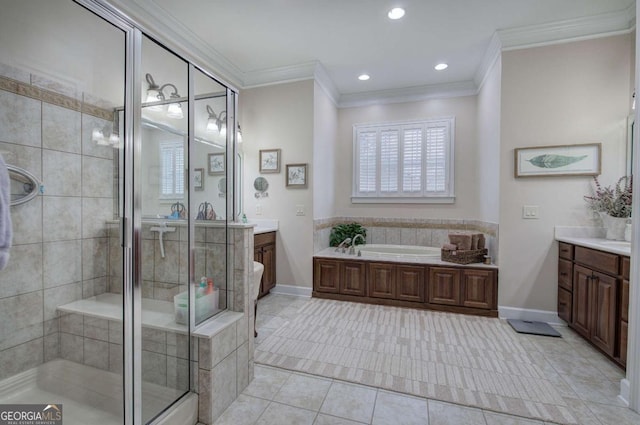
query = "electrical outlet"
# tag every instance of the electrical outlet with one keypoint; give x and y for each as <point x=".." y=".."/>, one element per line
<point x="299" y="209"/>
<point x="258" y="209"/>
<point x="530" y="212"/>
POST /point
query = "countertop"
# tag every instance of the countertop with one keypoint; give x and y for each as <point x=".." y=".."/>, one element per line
<point x="434" y="261"/>
<point x="263" y="225"/>
<point x="591" y="237"/>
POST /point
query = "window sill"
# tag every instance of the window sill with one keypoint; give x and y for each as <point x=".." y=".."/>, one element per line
<point x="402" y="200"/>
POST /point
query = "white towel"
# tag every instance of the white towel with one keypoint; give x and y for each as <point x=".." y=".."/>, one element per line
<point x="6" y="231"/>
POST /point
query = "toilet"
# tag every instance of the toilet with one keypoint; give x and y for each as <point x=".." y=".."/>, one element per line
<point x="258" y="269"/>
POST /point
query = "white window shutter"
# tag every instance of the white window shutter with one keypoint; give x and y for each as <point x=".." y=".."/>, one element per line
<point x="389" y="160"/>
<point x="367" y="153"/>
<point x="412" y="160"/>
<point x="436" y="158"/>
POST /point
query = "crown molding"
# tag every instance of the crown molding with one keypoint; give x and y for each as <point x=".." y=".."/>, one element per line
<point x="408" y="94"/>
<point x="493" y="52"/>
<point x="326" y="83"/>
<point x="602" y="25"/>
<point x="165" y="29"/>
<point x="279" y="75"/>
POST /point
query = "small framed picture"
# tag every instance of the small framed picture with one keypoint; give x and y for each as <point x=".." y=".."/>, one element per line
<point x="198" y="179"/>
<point x="297" y="175"/>
<point x="269" y="161"/>
<point x="216" y="163"/>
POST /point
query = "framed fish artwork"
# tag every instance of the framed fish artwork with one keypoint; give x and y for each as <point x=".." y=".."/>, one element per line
<point x="566" y="160"/>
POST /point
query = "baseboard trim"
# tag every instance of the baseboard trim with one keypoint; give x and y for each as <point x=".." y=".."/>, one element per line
<point x="298" y="291"/>
<point x="625" y="391"/>
<point x="546" y="316"/>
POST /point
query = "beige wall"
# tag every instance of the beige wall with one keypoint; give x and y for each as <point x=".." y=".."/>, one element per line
<point x="466" y="164"/>
<point x="281" y="117"/>
<point x="489" y="145"/>
<point x="563" y="94"/>
<point x="325" y="126"/>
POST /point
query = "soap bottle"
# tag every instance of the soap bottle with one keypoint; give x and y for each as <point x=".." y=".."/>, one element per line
<point x="244" y="218"/>
<point x="202" y="288"/>
<point x="210" y="286"/>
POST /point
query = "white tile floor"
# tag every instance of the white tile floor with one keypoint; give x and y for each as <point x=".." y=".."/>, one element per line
<point x="276" y="396"/>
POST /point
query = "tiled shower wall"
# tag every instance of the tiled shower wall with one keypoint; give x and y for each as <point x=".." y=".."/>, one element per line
<point x="60" y="250"/>
<point x="165" y="277"/>
<point x="421" y="232"/>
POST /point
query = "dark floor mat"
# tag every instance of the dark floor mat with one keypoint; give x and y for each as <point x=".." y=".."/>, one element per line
<point x="534" y="328"/>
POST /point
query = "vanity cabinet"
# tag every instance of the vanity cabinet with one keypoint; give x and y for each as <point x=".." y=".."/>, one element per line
<point x="457" y="289"/>
<point x="264" y="251"/>
<point x="592" y="286"/>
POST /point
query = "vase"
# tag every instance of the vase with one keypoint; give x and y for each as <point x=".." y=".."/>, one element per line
<point x="615" y="226"/>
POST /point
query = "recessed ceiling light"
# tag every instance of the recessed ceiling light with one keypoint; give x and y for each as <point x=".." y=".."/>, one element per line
<point x="364" y="77"/>
<point x="441" y="66"/>
<point x="396" y="13"/>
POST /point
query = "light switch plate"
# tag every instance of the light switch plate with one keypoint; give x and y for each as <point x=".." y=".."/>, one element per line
<point x="258" y="209"/>
<point x="299" y="209"/>
<point x="530" y="212"/>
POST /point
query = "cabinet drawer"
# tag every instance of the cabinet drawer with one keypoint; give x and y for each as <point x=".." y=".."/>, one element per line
<point x="565" y="274"/>
<point x="626" y="267"/>
<point x="264" y="238"/>
<point x="597" y="260"/>
<point x="565" y="305"/>
<point x="565" y="250"/>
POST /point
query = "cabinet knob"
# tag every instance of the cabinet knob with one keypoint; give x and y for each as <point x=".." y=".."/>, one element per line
<point x="564" y="274"/>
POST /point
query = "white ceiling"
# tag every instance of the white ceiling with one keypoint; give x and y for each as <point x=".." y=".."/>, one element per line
<point x="257" y="42"/>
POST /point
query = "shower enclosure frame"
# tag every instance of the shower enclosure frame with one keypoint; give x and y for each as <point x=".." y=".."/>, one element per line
<point x="131" y="221"/>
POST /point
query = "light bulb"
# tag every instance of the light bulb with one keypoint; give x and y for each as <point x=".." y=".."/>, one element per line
<point x="396" y="13"/>
<point x="175" y="111"/>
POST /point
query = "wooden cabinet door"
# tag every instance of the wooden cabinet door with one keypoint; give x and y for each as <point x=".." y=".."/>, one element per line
<point x="623" y="342"/>
<point x="257" y="256"/>
<point x="410" y="283"/>
<point x="444" y="286"/>
<point x="603" y="329"/>
<point x="352" y="278"/>
<point x="269" y="261"/>
<point x="624" y="301"/>
<point x="326" y="275"/>
<point x="478" y="289"/>
<point x="581" y="316"/>
<point x="564" y="305"/>
<point x="382" y="280"/>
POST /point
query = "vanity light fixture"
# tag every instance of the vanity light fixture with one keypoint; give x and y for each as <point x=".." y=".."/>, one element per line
<point x="396" y="13"/>
<point x="216" y="123"/>
<point x="155" y="93"/>
<point x="441" y="66"/>
<point x="363" y="77"/>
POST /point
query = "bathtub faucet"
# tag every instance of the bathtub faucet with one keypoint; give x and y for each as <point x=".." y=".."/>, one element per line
<point x="343" y="244"/>
<point x="352" y="250"/>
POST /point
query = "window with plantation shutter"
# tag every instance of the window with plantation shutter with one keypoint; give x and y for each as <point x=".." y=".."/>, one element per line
<point x="172" y="170"/>
<point x="404" y="162"/>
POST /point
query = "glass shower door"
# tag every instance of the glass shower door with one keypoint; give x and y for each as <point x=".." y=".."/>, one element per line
<point x="165" y="211"/>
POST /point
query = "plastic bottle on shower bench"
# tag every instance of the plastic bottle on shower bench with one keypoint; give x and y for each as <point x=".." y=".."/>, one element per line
<point x="202" y="288"/>
<point x="209" y="286"/>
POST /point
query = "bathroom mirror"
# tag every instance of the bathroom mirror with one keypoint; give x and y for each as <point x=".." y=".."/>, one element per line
<point x="260" y="184"/>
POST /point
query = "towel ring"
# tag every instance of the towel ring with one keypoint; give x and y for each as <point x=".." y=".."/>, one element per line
<point x="31" y="186"/>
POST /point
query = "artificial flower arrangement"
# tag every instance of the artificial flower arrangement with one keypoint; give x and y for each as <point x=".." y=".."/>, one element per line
<point x="615" y="201"/>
